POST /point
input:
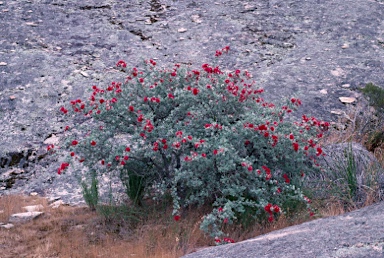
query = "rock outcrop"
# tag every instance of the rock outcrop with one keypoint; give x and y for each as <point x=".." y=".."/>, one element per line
<point x="52" y="51"/>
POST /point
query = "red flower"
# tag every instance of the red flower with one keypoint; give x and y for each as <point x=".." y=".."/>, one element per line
<point x="64" y="165"/>
<point x="203" y="155"/>
<point x="72" y="154"/>
<point x="215" y="152"/>
<point x="295" y="146"/>
<point x="195" y="91"/>
<point x="270" y="218"/>
<point x="131" y="108"/>
<point x="122" y="163"/>
<point x="165" y="146"/>
<point x="128" y="149"/>
<point x="141" y="80"/>
<point x="74" y="142"/>
<point x="250" y="168"/>
<point x="121" y="63"/>
<point x="170" y="95"/>
<point x="268" y="207"/>
<point x="319" y="151"/>
<point x="62" y="109"/>
<point x="179" y="133"/>
<point x="126" y="157"/>
<point x="228" y="240"/>
<point x="176" y="217"/>
<point x="101" y="101"/>
<point x="220" y="209"/>
<point x="163" y="141"/>
<point x="287" y="180"/>
<point x="225" y="220"/>
<point x="117" y="158"/>
<point x="102" y="162"/>
<point x="267" y="170"/>
<point x="93" y="143"/>
<point x="276" y="208"/>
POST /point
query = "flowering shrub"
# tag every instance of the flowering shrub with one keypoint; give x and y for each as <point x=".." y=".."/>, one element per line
<point x="201" y="136"/>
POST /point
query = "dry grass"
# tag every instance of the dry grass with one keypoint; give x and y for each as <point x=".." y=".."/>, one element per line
<point x="79" y="232"/>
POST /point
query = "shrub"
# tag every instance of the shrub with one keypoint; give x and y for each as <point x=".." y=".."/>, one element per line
<point x="201" y="136"/>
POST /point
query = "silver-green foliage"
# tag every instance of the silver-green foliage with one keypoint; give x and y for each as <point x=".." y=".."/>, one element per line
<point x="200" y="136"/>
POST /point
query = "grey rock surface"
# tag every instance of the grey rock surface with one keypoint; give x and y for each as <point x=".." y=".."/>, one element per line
<point x="52" y="51"/>
<point x="355" y="234"/>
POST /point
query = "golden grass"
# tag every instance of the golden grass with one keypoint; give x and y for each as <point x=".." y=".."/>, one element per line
<point x="79" y="232"/>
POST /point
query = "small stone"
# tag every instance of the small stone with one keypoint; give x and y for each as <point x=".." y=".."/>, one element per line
<point x="3" y="188"/>
<point x="359" y="245"/>
<point x="347" y="100"/>
<point x="53" y="199"/>
<point x="24" y="216"/>
<point x="56" y="204"/>
<point x="337" y="112"/>
<point x="33" y="208"/>
<point x="3" y="63"/>
<point x="308" y="58"/>
<point x="32" y="24"/>
<point x="182" y="30"/>
<point x="33" y="194"/>
<point x="7" y="226"/>
<point x="12" y="97"/>
<point x="52" y="140"/>
<point x="337" y="72"/>
<point x="345" y="46"/>
<point x="1" y="2"/>
<point x="196" y="19"/>
<point x="324" y="91"/>
<point x="346" y="85"/>
<point x="1" y="211"/>
<point x="85" y="74"/>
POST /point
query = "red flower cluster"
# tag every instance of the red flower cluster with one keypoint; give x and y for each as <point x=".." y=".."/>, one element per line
<point x="121" y="63"/>
<point x="287" y="180"/>
<point x="148" y="126"/>
<point x="62" y="167"/>
<point x="271" y="209"/>
<point x="225" y="240"/>
<point x="267" y="172"/>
